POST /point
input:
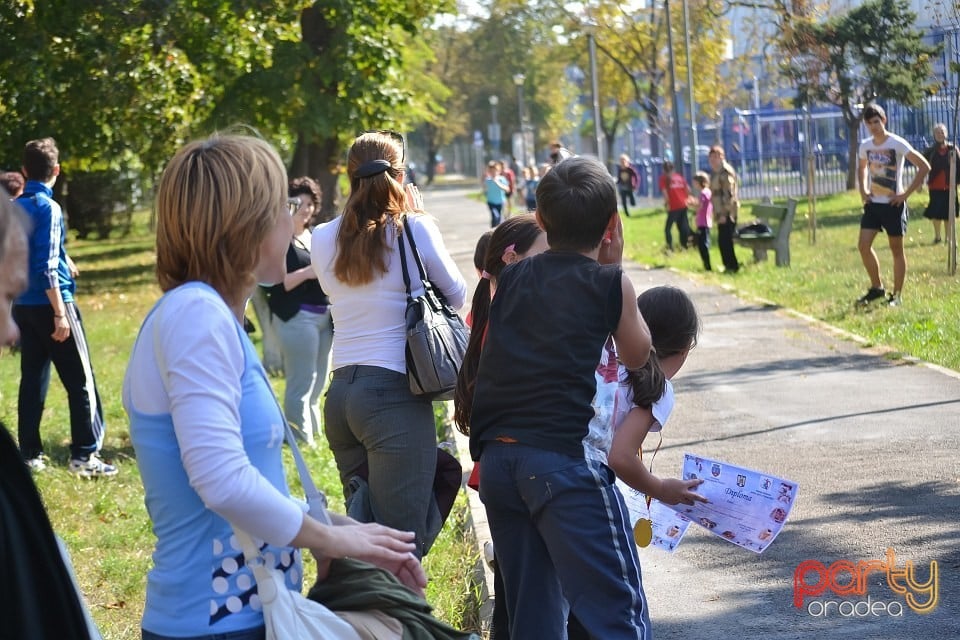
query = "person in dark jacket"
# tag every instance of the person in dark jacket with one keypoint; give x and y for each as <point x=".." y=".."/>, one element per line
<point x="627" y="182"/>
<point x="938" y="180"/>
<point x="302" y="319"/>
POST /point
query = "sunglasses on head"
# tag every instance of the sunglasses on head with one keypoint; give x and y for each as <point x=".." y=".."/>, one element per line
<point x="395" y="136"/>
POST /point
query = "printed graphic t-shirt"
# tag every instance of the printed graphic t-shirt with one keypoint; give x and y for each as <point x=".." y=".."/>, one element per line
<point x="884" y="165"/>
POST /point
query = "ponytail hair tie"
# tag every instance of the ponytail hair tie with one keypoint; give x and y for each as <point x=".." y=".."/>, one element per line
<point x="485" y="275"/>
<point x="372" y="168"/>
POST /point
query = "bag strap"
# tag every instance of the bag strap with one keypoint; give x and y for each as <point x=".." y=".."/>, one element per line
<point x="317" y="502"/>
<point x="316" y="499"/>
<point x="403" y="259"/>
<point x="416" y="256"/>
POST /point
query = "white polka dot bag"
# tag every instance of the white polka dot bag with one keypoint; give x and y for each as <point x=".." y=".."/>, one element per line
<point x="287" y="614"/>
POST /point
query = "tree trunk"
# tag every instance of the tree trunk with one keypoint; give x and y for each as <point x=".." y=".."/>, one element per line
<point x="653" y="119"/>
<point x="430" y="136"/>
<point x="609" y="137"/>
<point x="654" y="137"/>
<point x="317" y="154"/>
<point x="853" y="145"/>
<point x="320" y="162"/>
<point x="431" y="169"/>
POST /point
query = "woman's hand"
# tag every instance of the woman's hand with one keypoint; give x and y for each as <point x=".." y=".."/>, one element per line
<point x="414" y="198"/>
<point x="380" y="546"/>
<point x="673" y="491"/>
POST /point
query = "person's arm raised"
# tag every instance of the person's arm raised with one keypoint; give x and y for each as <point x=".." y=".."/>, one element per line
<point x="632" y="335"/>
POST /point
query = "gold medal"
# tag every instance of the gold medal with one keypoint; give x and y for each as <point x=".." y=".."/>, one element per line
<point x="643" y="532"/>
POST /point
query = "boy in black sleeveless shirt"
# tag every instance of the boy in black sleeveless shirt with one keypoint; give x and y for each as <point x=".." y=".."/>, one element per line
<point x="559" y="526"/>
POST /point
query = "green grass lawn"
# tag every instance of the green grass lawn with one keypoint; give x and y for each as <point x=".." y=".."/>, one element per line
<point x="104" y="522"/>
<point x="825" y="278"/>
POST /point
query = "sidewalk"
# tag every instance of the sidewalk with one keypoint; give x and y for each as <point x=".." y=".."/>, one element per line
<point x="874" y="444"/>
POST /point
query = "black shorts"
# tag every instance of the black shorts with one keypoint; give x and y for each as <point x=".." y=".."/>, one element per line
<point x="883" y="215"/>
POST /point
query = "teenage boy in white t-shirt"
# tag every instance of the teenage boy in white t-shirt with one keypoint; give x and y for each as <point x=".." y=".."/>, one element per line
<point x="884" y="200"/>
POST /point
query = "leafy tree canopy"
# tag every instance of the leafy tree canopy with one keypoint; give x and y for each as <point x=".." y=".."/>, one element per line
<point x="872" y="52"/>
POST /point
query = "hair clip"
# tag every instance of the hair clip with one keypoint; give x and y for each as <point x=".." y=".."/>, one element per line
<point x="372" y="168"/>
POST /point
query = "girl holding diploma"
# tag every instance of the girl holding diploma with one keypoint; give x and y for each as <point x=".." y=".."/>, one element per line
<point x="674" y="326"/>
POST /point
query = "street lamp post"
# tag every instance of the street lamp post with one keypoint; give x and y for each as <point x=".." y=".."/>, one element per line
<point x="494" y="127"/>
<point x="677" y="141"/>
<point x="595" y="95"/>
<point x="691" y="104"/>
<point x="518" y="80"/>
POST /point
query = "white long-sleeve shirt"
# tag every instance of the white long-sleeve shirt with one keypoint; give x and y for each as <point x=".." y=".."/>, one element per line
<point x="187" y="363"/>
<point x="368" y="319"/>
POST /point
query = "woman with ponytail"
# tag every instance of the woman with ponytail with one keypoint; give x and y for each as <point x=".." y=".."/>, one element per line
<point x="382" y="436"/>
<point x="511" y="241"/>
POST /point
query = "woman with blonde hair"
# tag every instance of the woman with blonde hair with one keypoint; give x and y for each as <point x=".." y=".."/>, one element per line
<point x="382" y="436"/>
<point x="205" y="425"/>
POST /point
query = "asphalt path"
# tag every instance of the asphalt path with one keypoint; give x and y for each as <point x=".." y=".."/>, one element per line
<point x="872" y="441"/>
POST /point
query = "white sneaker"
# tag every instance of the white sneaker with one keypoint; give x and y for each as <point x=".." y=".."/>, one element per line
<point x="488" y="554"/>
<point x="92" y="467"/>
<point x="37" y="464"/>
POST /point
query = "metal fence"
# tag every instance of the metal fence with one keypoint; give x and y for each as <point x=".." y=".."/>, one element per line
<point x="775" y="151"/>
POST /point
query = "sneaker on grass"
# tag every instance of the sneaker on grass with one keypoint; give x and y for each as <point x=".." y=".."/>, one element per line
<point x="37" y="464"/>
<point x="893" y="300"/>
<point x="92" y="467"/>
<point x="873" y="293"/>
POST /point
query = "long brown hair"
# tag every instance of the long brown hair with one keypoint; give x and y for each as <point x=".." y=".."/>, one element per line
<point x="520" y="232"/>
<point x="374" y="202"/>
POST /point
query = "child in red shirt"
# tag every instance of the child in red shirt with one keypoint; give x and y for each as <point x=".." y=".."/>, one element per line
<point x="675" y="194"/>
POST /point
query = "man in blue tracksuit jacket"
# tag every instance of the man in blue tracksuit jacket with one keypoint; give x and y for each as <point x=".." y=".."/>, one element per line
<point x="50" y="326"/>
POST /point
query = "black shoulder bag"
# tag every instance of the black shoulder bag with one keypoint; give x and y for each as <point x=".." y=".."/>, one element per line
<point x="436" y="334"/>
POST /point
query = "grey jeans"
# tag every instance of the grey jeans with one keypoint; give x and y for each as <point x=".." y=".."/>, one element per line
<point x="305" y="341"/>
<point x="376" y="427"/>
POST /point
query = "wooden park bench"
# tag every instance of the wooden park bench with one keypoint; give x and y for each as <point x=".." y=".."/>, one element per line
<point x="780" y="218"/>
